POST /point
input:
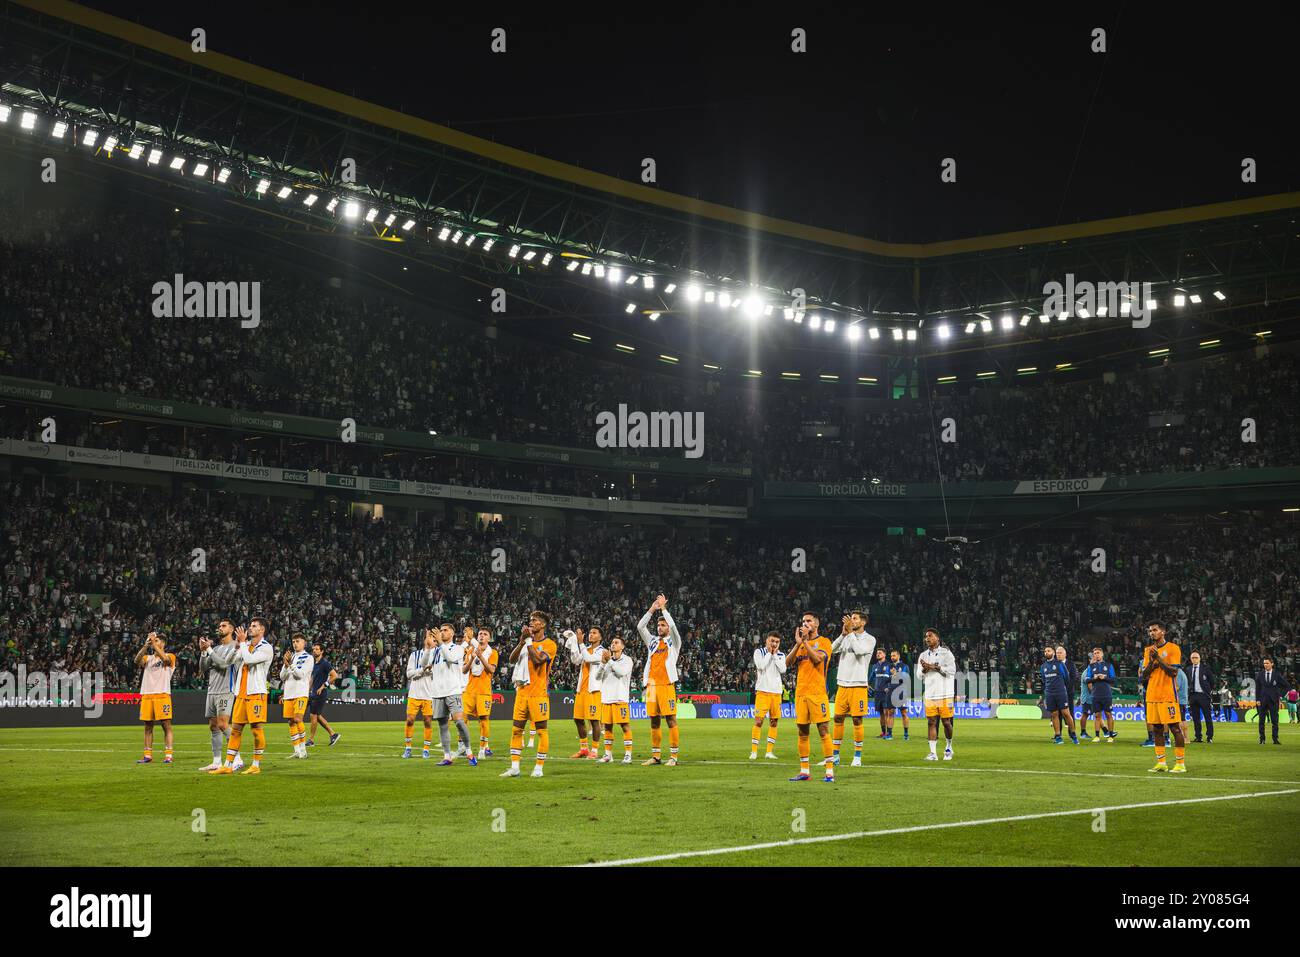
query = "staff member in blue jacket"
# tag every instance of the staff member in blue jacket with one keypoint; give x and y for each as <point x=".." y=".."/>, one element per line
<point x="878" y="675"/>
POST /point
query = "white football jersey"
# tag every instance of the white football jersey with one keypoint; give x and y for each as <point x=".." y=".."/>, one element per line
<point x="942" y="683"/>
<point x="421" y="685"/>
<point x="296" y="675"/>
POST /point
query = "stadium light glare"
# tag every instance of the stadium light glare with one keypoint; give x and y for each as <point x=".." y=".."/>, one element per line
<point x="155" y="157"/>
<point x="28" y="121"/>
<point x="390" y="219"/>
<point x="284" y="192"/>
<point x="631" y="308"/>
<point x="59" y="129"/>
<point x="488" y="244"/>
<point x="406" y="226"/>
<point x="648" y="282"/>
<point x="693" y="293"/>
<point x="1083" y="312"/>
<point x="1125" y="308"/>
<point x="768" y="310"/>
<point x="514" y="251"/>
<point x="1103" y="311"/>
<point x="580" y="337"/>
<point x="815" y="321"/>
<point x="631" y="280"/>
<point x="110" y="144"/>
<point x="1024" y="320"/>
<point x="788" y="313"/>
<point x="469" y="241"/>
<point x="310" y="200"/>
<point x="573" y="264"/>
<point x="911" y="335"/>
<point x="586" y="269"/>
<point x="1007" y="322"/>
<point x="1152" y="305"/>
<point x="4" y="112"/>
<point x="828" y="325"/>
<point x="970" y="327"/>
<point x="444" y="233"/>
<point x="87" y="139"/>
<point x="262" y="186"/>
<point x="710" y="295"/>
<point x="223" y="174"/>
<point x="177" y="163"/>
<point x="1044" y="319"/>
<point x="599" y="270"/>
<point x="372" y="214"/>
<point x="530" y="255"/>
<point x="1219" y="296"/>
<point x="753" y="306"/>
<point x="670" y="288"/>
<point x="615" y="274"/>
<point x="654" y="316"/>
<point x="853" y="333"/>
<point x="897" y="333"/>
<point x="986" y="325"/>
<point x="546" y="260"/>
<point x="724" y="300"/>
<point x="874" y="332"/>
<point x="351" y="209"/>
<point x="1180" y="300"/>
<point x="137" y="150"/>
<point x="332" y="205"/>
<point x="944" y="331"/>
<point x="200" y="169"/>
<point x="1195" y="298"/>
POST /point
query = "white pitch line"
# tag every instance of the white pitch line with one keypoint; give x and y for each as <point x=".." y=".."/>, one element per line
<point x="854" y="835"/>
<point x="951" y="769"/>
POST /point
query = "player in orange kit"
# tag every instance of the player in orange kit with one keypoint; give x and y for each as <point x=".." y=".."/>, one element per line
<point x="1160" y="667"/>
<point x="532" y="658"/>
<point x="812" y="655"/>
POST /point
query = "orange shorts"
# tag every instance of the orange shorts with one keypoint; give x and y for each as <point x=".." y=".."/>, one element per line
<point x="938" y="707"/>
<point x="767" y="704"/>
<point x="661" y="700"/>
<point x="477" y="705"/>
<point x="535" y="709"/>
<point x="1163" y="712"/>
<point x="586" y="707"/>
<point x="851" y="701"/>
<point x="612" y="714"/>
<point x="812" y="710"/>
<point x="249" y="709"/>
<point x="294" y="707"/>
<point x="418" y="706"/>
<point x="156" y="707"/>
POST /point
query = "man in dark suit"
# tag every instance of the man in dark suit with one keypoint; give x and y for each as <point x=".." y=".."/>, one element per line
<point x="1269" y="688"/>
<point x="1200" y="685"/>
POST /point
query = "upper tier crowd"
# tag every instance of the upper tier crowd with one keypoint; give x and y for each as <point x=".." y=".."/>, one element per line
<point x="75" y="309"/>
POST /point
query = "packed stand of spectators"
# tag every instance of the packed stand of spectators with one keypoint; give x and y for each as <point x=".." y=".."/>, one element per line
<point x="1227" y="589"/>
<point x="75" y="309"/>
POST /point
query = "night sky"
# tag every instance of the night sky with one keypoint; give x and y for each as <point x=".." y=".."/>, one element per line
<point x="848" y="136"/>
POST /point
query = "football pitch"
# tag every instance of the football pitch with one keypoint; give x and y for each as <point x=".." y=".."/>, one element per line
<point x="1010" y="797"/>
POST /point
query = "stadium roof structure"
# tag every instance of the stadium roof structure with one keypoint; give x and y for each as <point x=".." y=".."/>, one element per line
<point x="595" y="255"/>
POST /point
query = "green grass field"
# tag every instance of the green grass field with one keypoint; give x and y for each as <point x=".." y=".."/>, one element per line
<point x="75" y="797"/>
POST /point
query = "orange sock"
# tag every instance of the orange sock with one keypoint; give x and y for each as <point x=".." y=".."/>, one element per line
<point x="1160" y="752"/>
<point x="543" y="745"/>
<point x="516" y="744"/>
<point x="857" y="737"/>
<point x="484" y="732"/>
<point x="656" y="741"/>
<point x="410" y="730"/>
<point x="428" y="737"/>
<point x="627" y="743"/>
<point x="232" y="748"/>
<point x="674" y="738"/>
<point x="148" y="752"/>
<point x="771" y="738"/>
<point x="828" y="753"/>
<point x="582" y="742"/>
<point x="609" y="742"/>
<point x="753" y="740"/>
<point x="259" y="745"/>
<point x="839" y="736"/>
<point x="1178" y="754"/>
<point x="803" y="754"/>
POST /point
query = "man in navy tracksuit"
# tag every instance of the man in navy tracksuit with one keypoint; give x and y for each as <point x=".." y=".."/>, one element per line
<point x="1056" y="694"/>
<point x="878" y="676"/>
<point x="1099" y="676"/>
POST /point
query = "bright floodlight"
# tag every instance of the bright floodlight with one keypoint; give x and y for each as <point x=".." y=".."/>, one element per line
<point x="874" y="332"/>
<point x="586" y="269"/>
<point x="710" y="295"/>
<point x="1219" y="296"/>
<point x="829" y="325"/>
<point x="599" y="269"/>
<point x="815" y="321"/>
<point x="615" y="274"/>
<point x="110" y="144"/>
<point x="177" y="163"/>
<point x="648" y="281"/>
<point x="724" y="300"/>
<point x="155" y="157"/>
<point x="4" y="113"/>
<point x="372" y="214"/>
<point x="530" y="255"/>
<point x="670" y="288"/>
<point x="853" y="333"/>
<point x="59" y="128"/>
<point x="573" y="264"/>
<point x="470" y="241"/>
<point x="753" y="306"/>
<point x="28" y="121"/>
<point x="88" y="139"/>
<point x="284" y="192"/>
<point x="654" y="316"/>
<point x="408" y="224"/>
<point x="444" y="233"/>
<point x="693" y="293"/>
<point x="1195" y="298"/>
<point x="391" y="218"/>
<point x="986" y="325"/>
<point x="310" y="200"/>
<point x="631" y="280"/>
<point x="546" y="260"/>
<point x="898" y="334"/>
<point x="944" y="332"/>
<point x="332" y="205"/>
<point x="1152" y="305"/>
<point x="488" y="243"/>
<point x="262" y="186"/>
<point x="970" y="327"/>
<point x="224" y="174"/>
<point x="631" y="307"/>
<point x="351" y="209"/>
<point x="1007" y="321"/>
<point x="514" y="251"/>
<point x="1179" y="300"/>
<point x="911" y="335"/>
<point x="200" y="169"/>
<point x="137" y="150"/>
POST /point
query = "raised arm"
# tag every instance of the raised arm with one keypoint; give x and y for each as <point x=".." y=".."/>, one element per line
<point x="643" y="628"/>
<point x="672" y="628"/>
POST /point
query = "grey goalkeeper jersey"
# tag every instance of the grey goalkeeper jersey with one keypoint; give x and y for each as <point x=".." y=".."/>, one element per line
<point x="218" y="661"/>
